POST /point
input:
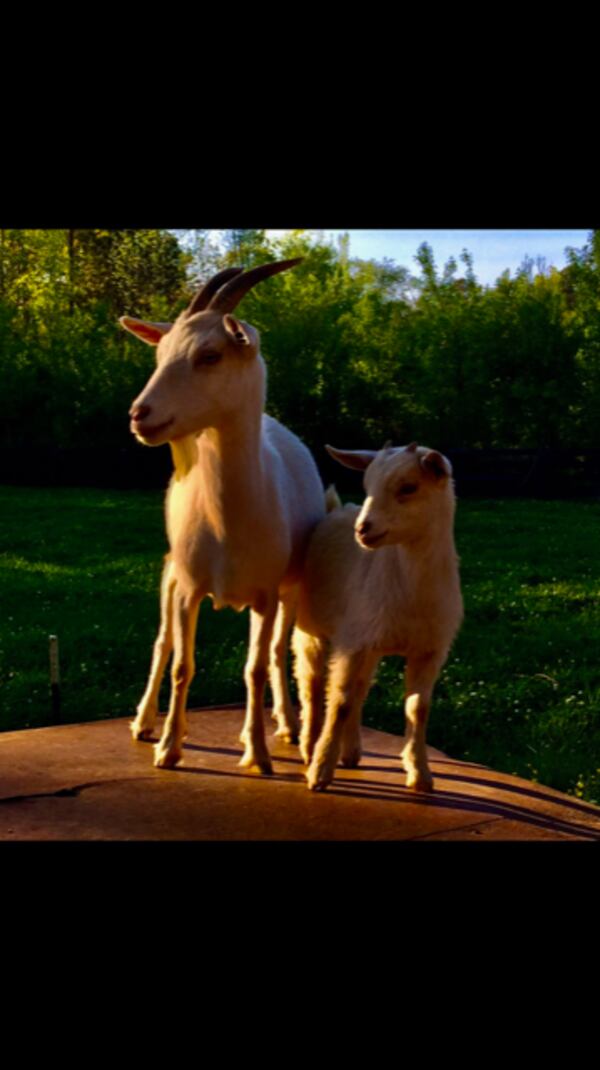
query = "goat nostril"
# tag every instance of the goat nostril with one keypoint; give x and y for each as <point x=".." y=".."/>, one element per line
<point x="139" y="412"/>
<point x="363" y="527"/>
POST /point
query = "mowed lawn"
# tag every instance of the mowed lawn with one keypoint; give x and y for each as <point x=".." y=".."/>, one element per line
<point x="520" y="692"/>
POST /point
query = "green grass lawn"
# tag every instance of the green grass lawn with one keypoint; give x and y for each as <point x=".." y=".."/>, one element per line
<point x="520" y="691"/>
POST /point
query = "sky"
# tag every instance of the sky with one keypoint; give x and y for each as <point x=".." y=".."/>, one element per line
<point x="492" y="250"/>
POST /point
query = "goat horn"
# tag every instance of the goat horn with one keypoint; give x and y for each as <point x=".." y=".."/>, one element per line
<point x="230" y="296"/>
<point x="210" y="288"/>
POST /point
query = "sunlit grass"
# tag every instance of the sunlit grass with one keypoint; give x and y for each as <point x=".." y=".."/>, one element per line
<point x="520" y="691"/>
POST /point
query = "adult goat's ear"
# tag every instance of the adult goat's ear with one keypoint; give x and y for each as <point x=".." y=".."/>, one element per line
<point x="359" y="459"/>
<point x="436" y="465"/>
<point x="148" y="332"/>
<point x="236" y="330"/>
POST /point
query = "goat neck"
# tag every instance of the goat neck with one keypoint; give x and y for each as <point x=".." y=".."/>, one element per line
<point x="229" y="470"/>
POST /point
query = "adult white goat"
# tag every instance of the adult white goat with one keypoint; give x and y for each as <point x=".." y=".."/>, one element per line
<point x="381" y="579"/>
<point x="240" y="507"/>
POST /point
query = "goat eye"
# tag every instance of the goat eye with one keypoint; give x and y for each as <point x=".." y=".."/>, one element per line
<point x="207" y="358"/>
<point x="406" y="489"/>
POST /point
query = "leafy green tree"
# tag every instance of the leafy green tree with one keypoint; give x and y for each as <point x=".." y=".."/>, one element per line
<point x="580" y="282"/>
<point x="533" y="375"/>
<point x="139" y="271"/>
<point x="68" y="369"/>
<point x="357" y="351"/>
<point x="246" y="248"/>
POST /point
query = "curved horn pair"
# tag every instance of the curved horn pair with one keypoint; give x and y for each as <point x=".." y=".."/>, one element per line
<point x="210" y="288"/>
<point x="225" y="290"/>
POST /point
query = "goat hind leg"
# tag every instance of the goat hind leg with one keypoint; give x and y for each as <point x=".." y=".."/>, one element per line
<point x="147" y="710"/>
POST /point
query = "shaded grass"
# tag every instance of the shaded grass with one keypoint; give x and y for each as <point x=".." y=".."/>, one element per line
<point x="85" y="565"/>
<point x="520" y="691"/>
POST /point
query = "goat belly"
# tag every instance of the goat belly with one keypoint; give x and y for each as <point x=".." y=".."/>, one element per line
<point x="396" y="649"/>
<point x="236" y="602"/>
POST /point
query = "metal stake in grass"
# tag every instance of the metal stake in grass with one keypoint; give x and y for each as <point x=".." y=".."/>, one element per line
<point x="54" y="678"/>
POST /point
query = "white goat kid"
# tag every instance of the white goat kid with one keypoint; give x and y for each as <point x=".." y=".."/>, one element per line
<point x="381" y="579"/>
<point x="240" y="507"/>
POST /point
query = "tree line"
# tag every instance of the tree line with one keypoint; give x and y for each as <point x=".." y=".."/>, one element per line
<point x="358" y="351"/>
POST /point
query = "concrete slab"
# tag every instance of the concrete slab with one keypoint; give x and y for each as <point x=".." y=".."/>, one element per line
<point x="92" y="782"/>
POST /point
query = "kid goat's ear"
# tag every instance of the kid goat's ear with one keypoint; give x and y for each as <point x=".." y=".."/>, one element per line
<point x="436" y="465"/>
<point x="148" y="332"/>
<point x="360" y="459"/>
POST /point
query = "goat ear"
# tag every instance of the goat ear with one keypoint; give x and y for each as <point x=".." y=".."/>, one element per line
<point x="436" y="465"/>
<point x="235" y="329"/>
<point x="148" y="332"/>
<point x="360" y="459"/>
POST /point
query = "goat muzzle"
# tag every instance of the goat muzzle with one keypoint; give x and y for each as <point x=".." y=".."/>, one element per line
<point x="139" y="412"/>
<point x="365" y="537"/>
<point x="143" y="430"/>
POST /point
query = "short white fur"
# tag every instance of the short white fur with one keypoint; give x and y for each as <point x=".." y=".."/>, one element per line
<point x="240" y="508"/>
<point x="381" y="579"/>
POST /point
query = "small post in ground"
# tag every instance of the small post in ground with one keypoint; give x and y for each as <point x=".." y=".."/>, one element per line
<point x="54" y="679"/>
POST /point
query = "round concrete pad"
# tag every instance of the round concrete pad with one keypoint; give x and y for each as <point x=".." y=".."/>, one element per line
<point x="93" y="782"/>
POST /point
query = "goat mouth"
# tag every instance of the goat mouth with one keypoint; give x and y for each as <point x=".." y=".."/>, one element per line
<point x="370" y="541"/>
<point x="144" y="432"/>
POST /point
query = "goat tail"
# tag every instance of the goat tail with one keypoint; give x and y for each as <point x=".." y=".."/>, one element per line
<point x="332" y="499"/>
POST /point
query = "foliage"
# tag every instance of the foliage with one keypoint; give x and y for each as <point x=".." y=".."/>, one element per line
<point x="69" y="371"/>
<point x="358" y="351"/>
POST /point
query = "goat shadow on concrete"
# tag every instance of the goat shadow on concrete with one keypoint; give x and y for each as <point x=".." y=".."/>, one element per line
<point x="377" y="790"/>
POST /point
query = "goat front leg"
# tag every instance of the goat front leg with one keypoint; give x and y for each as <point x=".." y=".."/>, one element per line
<point x="147" y="710"/>
<point x="343" y="695"/>
<point x="168" y="752"/>
<point x="256" y="754"/>
<point x="309" y="669"/>
<point x="283" y="711"/>
<point x="420" y="676"/>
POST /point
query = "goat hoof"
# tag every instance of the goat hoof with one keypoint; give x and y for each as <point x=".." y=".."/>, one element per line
<point x="262" y="765"/>
<point x="306" y="751"/>
<point x="421" y="782"/>
<point x="318" y="779"/>
<point x="318" y="785"/>
<point x="351" y="760"/>
<point x="142" y="726"/>
<point x="167" y="759"/>
<point x="141" y="735"/>
<point x="286" y="735"/>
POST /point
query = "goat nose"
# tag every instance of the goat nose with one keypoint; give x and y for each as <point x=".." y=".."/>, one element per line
<point x="139" y="412"/>
<point x="364" y="527"/>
